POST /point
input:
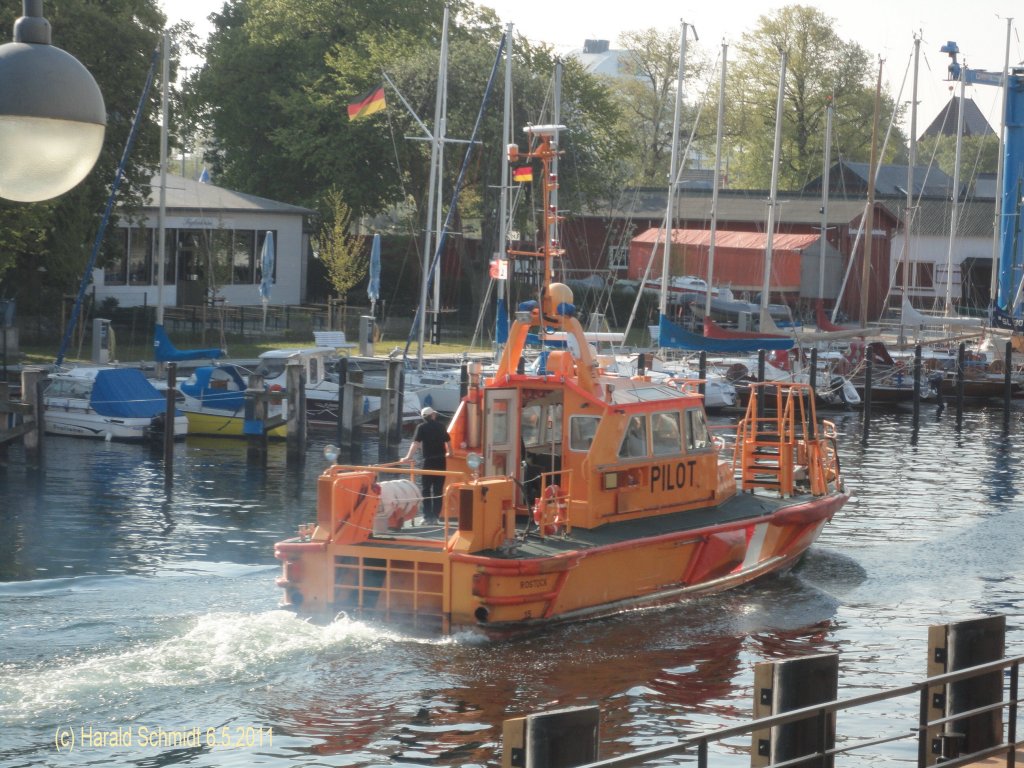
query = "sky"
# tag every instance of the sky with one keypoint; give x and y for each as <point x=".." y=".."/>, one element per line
<point x="885" y="28"/>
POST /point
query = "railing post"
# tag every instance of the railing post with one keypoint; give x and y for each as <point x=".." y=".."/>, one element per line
<point x="562" y="738"/>
<point x="953" y="647"/>
<point x="782" y="686"/>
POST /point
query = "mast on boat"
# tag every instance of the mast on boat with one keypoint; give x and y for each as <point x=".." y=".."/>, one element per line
<point x="773" y="192"/>
<point x="545" y="151"/>
<point x="868" y="220"/>
<point x="716" y="182"/>
<point x="161" y="245"/>
<point x="673" y="171"/>
<point x="433" y="189"/>
<point x="912" y="162"/>
<point x="955" y="210"/>
<point x="501" y="311"/>
<point x="825" y="184"/>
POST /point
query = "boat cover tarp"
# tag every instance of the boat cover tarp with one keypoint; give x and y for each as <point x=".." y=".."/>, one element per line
<point x="125" y="393"/>
<point x="164" y="350"/>
<point x="228" y="394"/>
<point x="672" y="336"/>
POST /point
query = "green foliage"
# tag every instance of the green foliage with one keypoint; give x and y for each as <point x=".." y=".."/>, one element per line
<point x="279" y="76"/>
<point x="342" y="251"/>
<point x="978" y="154"/>
<point x="646" y="95"/>
<point x="821" y="68"/>
<point x="115" y="41"/>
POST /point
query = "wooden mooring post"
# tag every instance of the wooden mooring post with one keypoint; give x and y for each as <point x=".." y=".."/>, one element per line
<point x="31" y="429"/>
<point x="295" y="392"/>
<point x="169" y="409"/>
<point x="869" y="374"/>
<point x="961" y="356"/>
<point x="917" y="386"/>
<point x="1007" y="383"/>
<point x="389" y="419"/>
<point x="350" y="408"/>
<point x="702" y="372"/>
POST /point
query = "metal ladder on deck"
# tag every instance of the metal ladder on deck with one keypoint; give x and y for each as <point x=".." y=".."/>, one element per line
<point x="772" y="436"/>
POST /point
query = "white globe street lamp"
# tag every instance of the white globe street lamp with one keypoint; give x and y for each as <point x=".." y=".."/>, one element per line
<point x="52" y="116"/>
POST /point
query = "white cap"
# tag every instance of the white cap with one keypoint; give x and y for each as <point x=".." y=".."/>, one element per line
<point x="428" y="411"/>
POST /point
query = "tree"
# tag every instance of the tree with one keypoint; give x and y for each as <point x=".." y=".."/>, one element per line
<point x="821" y="68"/>
<point x="978" y="154"/>
<point x="115" y="41"/>
<point x="342" y="251"/>
<point x="278" y="78"/>
<point x="646" y="93"/>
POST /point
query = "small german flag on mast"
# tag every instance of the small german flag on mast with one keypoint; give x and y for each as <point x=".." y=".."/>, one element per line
<point x="368" y="104"/>
<point x="522" y="175"/>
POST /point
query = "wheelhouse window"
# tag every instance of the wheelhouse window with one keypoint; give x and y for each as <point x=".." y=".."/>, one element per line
<point x="666" y="436"/>
<point x="541" y="424"/>
<point x="581" y="432"/>
<point x="634" y="442"/>
<point x="697" y="435"/>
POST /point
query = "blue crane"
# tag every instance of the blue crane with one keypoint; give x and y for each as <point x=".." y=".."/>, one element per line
<point x="1011" y="243"/>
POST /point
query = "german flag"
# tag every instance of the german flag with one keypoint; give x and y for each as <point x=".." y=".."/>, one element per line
<point x="369" y="103"/>
<point x="522" y="175"/>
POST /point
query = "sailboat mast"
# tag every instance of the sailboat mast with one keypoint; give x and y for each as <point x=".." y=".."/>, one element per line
<point x="773" y="192"/>
<point x="994" y="283"/>
<point x="501" y="323"/>
<point x="435" y="154"/>
<point x="161" y="226"/>
<point x="719" y="127"/>
<point x="672" y="172"/>
<point x="912" y="161"/>
<point x="955" y="209"/>
<point x="868" y="220"/>
<point x="825" y="184"/>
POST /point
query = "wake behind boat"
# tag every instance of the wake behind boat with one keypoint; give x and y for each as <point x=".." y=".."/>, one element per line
<point x="570" y="493"/>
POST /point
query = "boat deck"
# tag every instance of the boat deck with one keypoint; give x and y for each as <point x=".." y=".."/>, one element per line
<point x="742" y="507"/>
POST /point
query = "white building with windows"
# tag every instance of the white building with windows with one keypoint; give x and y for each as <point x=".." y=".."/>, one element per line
<point x="213" y="241"/>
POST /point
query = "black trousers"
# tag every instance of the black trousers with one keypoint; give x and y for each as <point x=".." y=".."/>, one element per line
<point x="433" y="487"/>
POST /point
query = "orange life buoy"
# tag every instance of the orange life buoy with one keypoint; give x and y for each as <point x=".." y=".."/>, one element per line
<point x="548" y="524"/>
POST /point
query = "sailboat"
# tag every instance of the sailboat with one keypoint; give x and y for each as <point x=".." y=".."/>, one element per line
<point x="570" y="494"/>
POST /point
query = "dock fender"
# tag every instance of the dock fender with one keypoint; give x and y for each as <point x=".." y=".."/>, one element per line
<point x="720" y="553"/>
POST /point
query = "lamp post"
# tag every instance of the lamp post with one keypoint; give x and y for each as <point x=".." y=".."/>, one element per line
<point x="52" y="116"/>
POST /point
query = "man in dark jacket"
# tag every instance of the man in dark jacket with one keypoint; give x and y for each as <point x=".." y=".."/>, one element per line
<point x="434" y="443"/>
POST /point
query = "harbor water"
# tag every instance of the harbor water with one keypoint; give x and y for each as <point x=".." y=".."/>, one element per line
<point x="138" y="621"/>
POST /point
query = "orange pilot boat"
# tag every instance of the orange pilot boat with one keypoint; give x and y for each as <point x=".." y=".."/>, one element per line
<point x="571" y="493"/>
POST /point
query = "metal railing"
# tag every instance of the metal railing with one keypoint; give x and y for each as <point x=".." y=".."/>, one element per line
<point x="825" y="714"/>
